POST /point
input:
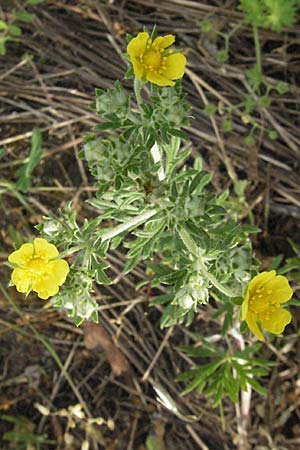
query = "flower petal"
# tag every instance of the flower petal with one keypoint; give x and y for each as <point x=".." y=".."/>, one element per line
<point x="21" y="280"/>
<point x="22" y="256"/>
<point x="281" y="290"/>
<point x="138" y="69"/>
<point x="260" y="280"/>
<point x="45" y="286"/>
<point x="137" y="45"/>
<point x="175" y="66"/>
<point x="158" y="79"/>
<point x="55" y="275"/>
<point x="251" y="320"/>
<point x="164" y="41"/>
<point x="59" y="269"/>
<point x="277" y="321"/>
<point x="245" y="305"/>
<point x="44" y="250"/>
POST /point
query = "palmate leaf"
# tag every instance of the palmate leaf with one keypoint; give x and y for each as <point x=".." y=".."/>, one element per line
<point x="254" y="11"/>
<point x="223" y="374"/>
<point x="280" y="13"/>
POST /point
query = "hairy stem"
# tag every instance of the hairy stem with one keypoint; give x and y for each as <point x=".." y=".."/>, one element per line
<point x="127" y="225"/>
<point x="194" y="249"/>
<point x="137" y="92"/>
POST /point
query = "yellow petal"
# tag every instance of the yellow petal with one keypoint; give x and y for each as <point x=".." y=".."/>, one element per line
<point x="45" y="286"/>
<point x="245" y="306"/>
<point x="277" y="321"/>
<point x="21" y="280"/>
<point x="164" y="41"/>
<point x="260" y="280"/>
<point x="138" y="69"/>
<point x="22" y="256"/>
<point x="137" y="45"/>
<point x="175" y="66"/>
<point x="158" y="79"/>
<point x="48" y="283"/>
<point x="281" y="290"/>
<point x="44" y="250"/>
<point x="59" y="269"/>
<point x="251" y="320"/>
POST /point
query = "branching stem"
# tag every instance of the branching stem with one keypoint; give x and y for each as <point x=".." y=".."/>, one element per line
<point x="194" y="249"/>
<point x="127" y="225"/>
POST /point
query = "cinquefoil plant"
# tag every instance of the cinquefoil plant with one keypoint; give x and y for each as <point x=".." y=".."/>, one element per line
<point x="187" y="234"/>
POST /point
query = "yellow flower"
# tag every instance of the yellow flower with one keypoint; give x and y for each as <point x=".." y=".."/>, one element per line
<point x="152" y="62"/>
<point x="38" y="269"/>
<point x="262" y="303"/>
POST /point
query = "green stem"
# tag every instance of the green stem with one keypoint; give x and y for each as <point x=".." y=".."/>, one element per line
<point x="195" y="250"/>
<point x="214" y="281"/>
<point x="257" y="49"/>
<point x="137" y="92"/>
<point x="189" y="242"/>
<point x="127" y="225"/>
<point x="71" y="250"/>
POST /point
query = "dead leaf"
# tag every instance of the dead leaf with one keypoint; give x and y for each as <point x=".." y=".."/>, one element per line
<point x="96" y="336"/>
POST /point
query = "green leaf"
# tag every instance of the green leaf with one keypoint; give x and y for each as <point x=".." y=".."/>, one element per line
<point x="256" y="386"/>
<point x="178" y="133"/>
<point x="249" y="140"/>
<point x="168" y="317"/>
<point x="162" y="299"/>
<point x="94" y="317"/>
<point x="231" y="386"/>
<point x="78" y="321"/>
<point x="35" y="155"/>
<point x="254" y="76"/>
<point x="265" y="101"/>
<point x="14" y="30"/>
<point x="131" y="263"/>
<point x="227" y="125"/>
<point x="276" y="262"/>
<point x="204" y="374"/>
<point x="247" y="228"/>
<point x="2" y="46"/>
<point x="222" y="56"/>
<point x="107" y="126"/>
<point x="3" y="25"/>
<point x="282" y="87"/>
<point x="210" y="109"/>
<point x="254" y="11"/>
<point x="280" y="13"/>
<point x="197" y="181"/>
<point x="153" y="443"/>
<point x="273" y="135"/>
<point x="206" y="26"/>
<point x="102" y="278"/>
<point x="200" y="352"/>
<point x="34" y="2"/>
<point x="129" y="74"/>
<point x="24" y="16"/>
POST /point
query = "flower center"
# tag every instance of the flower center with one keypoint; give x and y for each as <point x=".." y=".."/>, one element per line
<point x="152" y="59"/>
<point x="262" y="303"/>
<point x="36" y="266"/>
